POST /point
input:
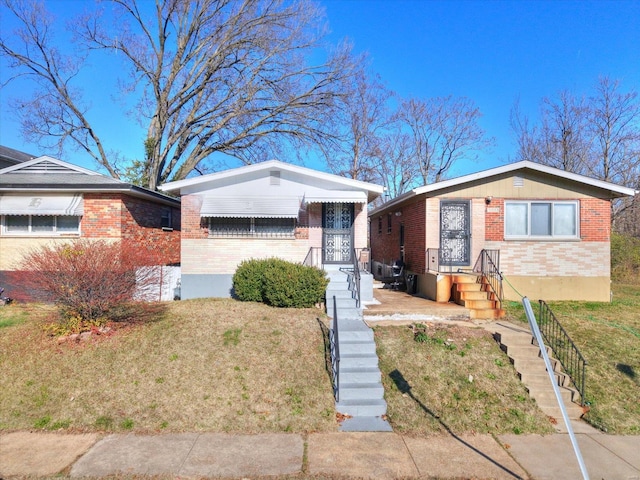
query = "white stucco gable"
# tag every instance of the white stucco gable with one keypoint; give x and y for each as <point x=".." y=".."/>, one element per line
<point x="271" y="189"/>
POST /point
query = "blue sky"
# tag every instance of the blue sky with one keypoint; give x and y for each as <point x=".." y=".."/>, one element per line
<point x="493" y="52"/>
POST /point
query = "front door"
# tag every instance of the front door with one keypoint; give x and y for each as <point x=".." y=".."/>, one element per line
<point x="455" y="233"/>
<point x="337" y="232"/>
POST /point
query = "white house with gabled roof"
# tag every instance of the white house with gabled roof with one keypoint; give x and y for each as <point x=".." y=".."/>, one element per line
<point x="268" y="209"/>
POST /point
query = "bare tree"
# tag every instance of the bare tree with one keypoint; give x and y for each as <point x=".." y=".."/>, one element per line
<point x="614" y="118"/>
<point x="443" y="130"/>
<point x="563" y="138"/>
<point x="598" y="136"/>
<point x="210" y="76"/>
<point x="358" y="125"/>
<point x="396" y="168"/>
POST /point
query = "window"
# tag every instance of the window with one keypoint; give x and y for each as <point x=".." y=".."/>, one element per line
<point x="252" y="227"/>
<point x="389" y="223"/>
<point x="166" y="220"/>
<point x="379" y="225"/>
<point x="40" y="224"/>
<point x="541" y="219"/>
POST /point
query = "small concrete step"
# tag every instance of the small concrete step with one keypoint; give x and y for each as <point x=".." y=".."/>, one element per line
<point x="544" y="394"/>
<point x="342" y="293"/>
<point x="346" y="313"/>
<point x="355" y="335"/>
<point x="487" y="314"/>
<point x="478" y="304"/>
<point x="473" y="295"/>
<point x="467" y="287"/>
<point x="358" y="360"/>
<point x="365" y="424"/>
<point x="362" y="408"/>
<point x="562" y="379"/>
<point x="361" y="391"/>
<point x="364" y="347"/>
<point x="360" y="375"/>
<point x="519" y="351"/>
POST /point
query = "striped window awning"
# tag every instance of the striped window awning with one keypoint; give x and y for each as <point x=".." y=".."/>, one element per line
<point x="45" y="204"/>
<point x="336" y="196"/>
<point x="250" y="207"/>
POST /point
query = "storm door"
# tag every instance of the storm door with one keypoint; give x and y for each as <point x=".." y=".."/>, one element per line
<point x="337" y="232"/>
<point x="455" y="233"/>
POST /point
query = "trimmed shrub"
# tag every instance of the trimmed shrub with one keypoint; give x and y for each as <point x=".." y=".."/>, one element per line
<point x="279" y="283"/>
<point x="248" y="281"/>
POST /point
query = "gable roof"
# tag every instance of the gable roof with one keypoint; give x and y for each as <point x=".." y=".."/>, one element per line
<point x="47" y="174"/>
<point x="9" y="156"/>
<point x="316" y="178"/>
<point x="613" y="190"/>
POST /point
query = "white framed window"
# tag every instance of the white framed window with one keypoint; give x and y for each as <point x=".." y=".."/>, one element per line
<point x="540" y="219"/>
<point x="40" y="225"/>
<point x="252" y="227"/>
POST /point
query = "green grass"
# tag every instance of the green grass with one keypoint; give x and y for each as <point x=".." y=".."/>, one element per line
<point x="227" y="366"/>
<point x="455" y="379"/>
<point x="608" y="336"/>
<point x="210" y="365"/>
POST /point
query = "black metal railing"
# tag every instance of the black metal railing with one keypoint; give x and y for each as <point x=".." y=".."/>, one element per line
<point x="434" y="263"/>
<point x="564" y="350"/>
<point x="334" y="345"/>
<point x="355" y="287"/>
<point x="488" y="265"/>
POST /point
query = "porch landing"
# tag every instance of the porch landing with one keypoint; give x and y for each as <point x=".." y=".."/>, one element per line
<point x="393" y="307"/>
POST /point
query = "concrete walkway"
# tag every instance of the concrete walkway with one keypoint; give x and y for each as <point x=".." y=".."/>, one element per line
<point x="345" y="455"/>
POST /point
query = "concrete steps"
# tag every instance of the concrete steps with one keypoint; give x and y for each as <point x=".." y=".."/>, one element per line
<point x="526" y="357"/>
<point x="361" y="394"/>
<point x="472" y="292"/>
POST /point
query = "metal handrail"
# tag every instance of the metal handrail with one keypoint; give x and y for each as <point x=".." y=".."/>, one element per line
<point x="564" y="350"/>
<point x="334" y="345"/>
<point x="356" y="278"/>
<point x="314" y="257"/>
<point x="488" y="265"/>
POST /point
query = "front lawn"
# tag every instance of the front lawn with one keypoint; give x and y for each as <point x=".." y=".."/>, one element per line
<point x="208" y="365"/>
<point x="608" y="335"/>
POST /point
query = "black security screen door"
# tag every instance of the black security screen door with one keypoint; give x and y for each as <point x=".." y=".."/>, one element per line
<point x="455" y="233"/>
<point x="337" y="232"/>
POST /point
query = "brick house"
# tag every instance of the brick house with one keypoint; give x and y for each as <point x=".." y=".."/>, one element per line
<point x="44" y="200"/>
<point x="546" y="230"/>
<point x="269" y="209"/>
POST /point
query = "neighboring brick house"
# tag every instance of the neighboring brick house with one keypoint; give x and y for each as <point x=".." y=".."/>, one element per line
<point x="269" y="209"/>
<point x="551" y="229"/>
<point x="45" y="200"/>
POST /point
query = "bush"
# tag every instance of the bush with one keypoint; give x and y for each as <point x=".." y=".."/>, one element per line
<point x="625" y="258"/>
<point x="279" y="283"/>
<point x="91" y="280"/>
<point x="248" y="281"/>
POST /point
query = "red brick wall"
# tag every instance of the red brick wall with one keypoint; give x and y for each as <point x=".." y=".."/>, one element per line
<point x="131" y="219"/>
<point x="192" y="225"/>
<point x="142" y="225"/>
<point x="494" y="220"/>
<point x="102" y="215"/>
<point x="385" y="247"/>
<point x="595" y="220"/>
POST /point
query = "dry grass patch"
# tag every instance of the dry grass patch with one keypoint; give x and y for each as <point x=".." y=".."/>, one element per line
<point x="452" y="378"/>
<point x="206" y="365"/>
<point x="608" y="335"/>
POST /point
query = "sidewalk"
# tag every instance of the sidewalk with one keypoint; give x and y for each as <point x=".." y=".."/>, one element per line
<point x="355" y="455"/>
